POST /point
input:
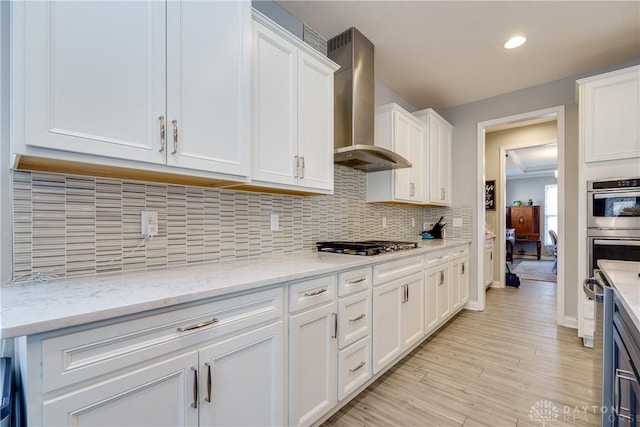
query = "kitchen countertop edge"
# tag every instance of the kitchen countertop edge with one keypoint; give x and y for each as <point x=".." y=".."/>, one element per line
<point x="32" y="308"/>
<point x="624" y="277"/>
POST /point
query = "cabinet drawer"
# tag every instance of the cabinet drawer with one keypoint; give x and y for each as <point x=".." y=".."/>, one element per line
<point x="78" y="356"/>
<point x="354" y="318"/>
<point x="434" y="260"/>
<point x="353" y="281"/>
<point x="383" y="273"/>
<point x="310" y="293"/>
<point x="459" y="252"/>
<point x="354" y="367"/>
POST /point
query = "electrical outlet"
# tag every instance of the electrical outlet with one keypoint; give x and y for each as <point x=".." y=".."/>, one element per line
<point x="413" y="222"/>
<point x="425" y="226"/>
<point x="384" y="222"/>
<point x="275" y="222"/>
<point x="149" y="223"/>
<point x="457" y="222"/>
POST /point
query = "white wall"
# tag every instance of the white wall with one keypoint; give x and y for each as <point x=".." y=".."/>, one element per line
<point x="465" y="119"/>
<point x="524" y="188"/>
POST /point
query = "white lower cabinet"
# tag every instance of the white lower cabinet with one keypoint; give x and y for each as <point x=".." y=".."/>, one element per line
<point x="216" y="363"/>
<point x="354" y="367"/>
<point x="459" y="279"/>
<point x="312" y="364"/>
<point x="488" y="263"/>
<point x="438" y="298"/>
<point x="398" y="318"/>
<point x="159" y="394"/>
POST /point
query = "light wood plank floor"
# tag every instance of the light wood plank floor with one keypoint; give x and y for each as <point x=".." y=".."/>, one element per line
<point x="487" y="368"/>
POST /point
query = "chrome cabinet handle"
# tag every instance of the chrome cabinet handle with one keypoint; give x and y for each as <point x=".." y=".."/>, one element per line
<point x="621" y="374"/>
<point x="441" y="193"/>
<point x="462" y="265"/>
<point x="357" y="367"/>
<point x="354" y="282"/>
<point x="335" y="325"/>
<point x="208" y="397"/>
<point x="407" y="292"/>
<point x="412" y="189"/>
<point x="491" y="256"/>
<point x="311" y="294"/>
<point x="198" y="325"/>
<point x="194" y="404"/>
<point x="175" y="137"/>
<point x="355" y="319"/>
<point x="163" y="130"/>
<point x="441" y="278"/>
<point x="302" y="167"/>
<point x="296" y="165"/>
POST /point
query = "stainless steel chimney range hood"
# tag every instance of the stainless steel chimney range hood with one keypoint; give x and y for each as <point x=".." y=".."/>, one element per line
<point x="354" y="106"/>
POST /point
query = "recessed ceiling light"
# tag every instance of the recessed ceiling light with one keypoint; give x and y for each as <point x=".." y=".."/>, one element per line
<point x="514" y="42"/>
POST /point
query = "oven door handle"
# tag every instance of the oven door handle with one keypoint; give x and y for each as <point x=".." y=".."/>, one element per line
<point x="588" y="288"/>
<point x="616" y="242"/>
<point x="608" y="194"/>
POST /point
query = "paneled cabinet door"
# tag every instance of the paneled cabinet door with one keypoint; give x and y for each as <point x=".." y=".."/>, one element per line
<point x="94" y="77"/>
<point x="387" y="324"/>
<point x="409" y="143"/>
<point x="438" y="296"/>
<point x="459" y="282"/>
<point x="313" y="360"/>
<point x="440" y="140"/>
<point x="275" y="107"/>
<point x="315" y="123"/>
<point x="488" y="265"/>
<point x="413" y="310"/>
<point x="208" y="81"/>
<point x="242" y="380"/>
<point x="160" y="394"/>
<point x="431" y="283"/>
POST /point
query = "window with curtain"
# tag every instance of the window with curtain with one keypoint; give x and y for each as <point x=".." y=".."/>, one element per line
<point x="550" y="211"/>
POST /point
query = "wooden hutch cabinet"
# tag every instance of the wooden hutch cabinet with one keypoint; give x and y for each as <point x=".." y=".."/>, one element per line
<point x="526" y="222"/>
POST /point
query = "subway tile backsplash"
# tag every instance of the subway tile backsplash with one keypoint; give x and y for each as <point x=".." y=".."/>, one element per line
<point x="71" y="225"/>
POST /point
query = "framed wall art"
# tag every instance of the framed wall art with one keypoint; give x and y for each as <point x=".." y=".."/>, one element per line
<point x="490" y="195"/>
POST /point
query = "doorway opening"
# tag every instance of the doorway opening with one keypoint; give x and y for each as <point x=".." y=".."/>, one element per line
<point x="555" y="115"/>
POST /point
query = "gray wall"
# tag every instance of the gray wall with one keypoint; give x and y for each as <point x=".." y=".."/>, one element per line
<point x="5" y="188"/>
<point x="465" y="119"/>
<point x="525" y="188"/>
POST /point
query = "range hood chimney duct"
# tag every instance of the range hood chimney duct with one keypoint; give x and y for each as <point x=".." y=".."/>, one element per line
<point x="354" y="106"/>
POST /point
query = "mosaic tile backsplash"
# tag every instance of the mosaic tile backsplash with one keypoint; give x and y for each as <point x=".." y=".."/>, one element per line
<point x="71" y="225"/>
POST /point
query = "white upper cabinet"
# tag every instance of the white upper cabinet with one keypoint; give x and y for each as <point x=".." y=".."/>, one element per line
<point x="438" y="145"/>
<point x="146" y="82"/>
<point x="610" y="115"/>
<point x="292" y="97"/>
<point x="399" y="131"/>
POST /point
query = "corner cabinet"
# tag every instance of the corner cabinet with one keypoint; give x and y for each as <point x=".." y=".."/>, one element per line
<point x="147" y="83"/>
<point x="610" y="115"/>
<point x="397" y="130"/>
<point x="438" y="143"/>
<point x="292" y="99"/>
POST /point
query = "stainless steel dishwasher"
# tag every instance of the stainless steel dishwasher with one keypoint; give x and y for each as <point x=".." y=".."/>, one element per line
<point x="598" y="290"/>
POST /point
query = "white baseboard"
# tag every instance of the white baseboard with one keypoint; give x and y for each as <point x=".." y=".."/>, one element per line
<point x="569" y="322"/>
<point x="472" y="305"/>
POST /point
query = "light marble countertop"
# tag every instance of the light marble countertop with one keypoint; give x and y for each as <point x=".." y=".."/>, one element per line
<point x="31" y="308"/>
<point x="624" y="276"/>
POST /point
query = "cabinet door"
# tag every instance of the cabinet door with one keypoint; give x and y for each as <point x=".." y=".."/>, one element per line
<point x="275" y="107"/>
<point x="387" y="324"/>
<point x="626" y="392"/>
<point x="93" y="77"/>
<point x="444" y="293"/>
<point x="160" y="394"/>
<point x="403" y="178"/>
<point x="431" y="282"/>
<point x="609" y="111"/>
<point x="315" y="123"/>
<point x="488" y="266"/>
<point x="312" y="364"/>
<point x="242" y="379"/>
<point x="413" y="310"/>
<point x="208" y="53"/>
<point x="440" y="139"/>
<point x="459" y="283"/>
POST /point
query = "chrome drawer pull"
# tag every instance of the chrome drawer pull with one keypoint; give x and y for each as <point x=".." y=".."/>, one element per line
<point x="312" y="294"/>
<point x="175" y="136"/>
<point x="360" y="280"/>
<point x="162" y="133"/>
<point x="355" y="319"/>
<point x="357" y="367"/>
<point x="199" y="325"/>
<point x="208" y="397"/>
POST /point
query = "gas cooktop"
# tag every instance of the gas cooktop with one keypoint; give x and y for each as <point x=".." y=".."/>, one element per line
<point x="366" y="247"/>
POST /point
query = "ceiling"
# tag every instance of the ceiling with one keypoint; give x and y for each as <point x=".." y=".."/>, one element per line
<point x="446" y="53"/>
<point x="531" y="162"/>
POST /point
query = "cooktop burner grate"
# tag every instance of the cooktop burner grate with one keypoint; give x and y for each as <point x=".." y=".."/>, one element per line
<point x="366" y="247"/>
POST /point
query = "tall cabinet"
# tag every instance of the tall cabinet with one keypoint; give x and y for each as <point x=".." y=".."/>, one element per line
<point x="133" y="81"/>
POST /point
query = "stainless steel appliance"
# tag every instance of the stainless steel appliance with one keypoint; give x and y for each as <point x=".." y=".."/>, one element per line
<point x="367" y="247"/>
<point x="598" y="290"/>
<point x="613" y="220"/>
<point x="354" y="106"/>
<point x="614" y="204"/>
